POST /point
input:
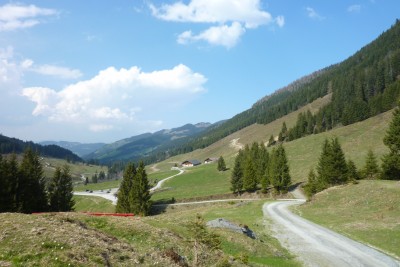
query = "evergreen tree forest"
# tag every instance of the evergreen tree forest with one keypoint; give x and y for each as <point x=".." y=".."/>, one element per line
<point x="255" y="167"/>
<point x="23" y="187"/>
<point x="134" y="192"/>
<point x="364" y="85"/>
<point x="13" y="145"/>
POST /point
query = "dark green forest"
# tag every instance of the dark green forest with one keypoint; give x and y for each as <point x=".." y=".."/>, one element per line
<point x="13" y="145"/>
<point x="362" y="86"/>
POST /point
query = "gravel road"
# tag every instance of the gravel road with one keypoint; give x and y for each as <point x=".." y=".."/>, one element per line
<point x="318" y="246"/>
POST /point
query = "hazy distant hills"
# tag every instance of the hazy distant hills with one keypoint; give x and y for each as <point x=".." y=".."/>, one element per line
<point x="139" y="146"/>
<point x="14" y="145"/>
<point x="79" y="149"/>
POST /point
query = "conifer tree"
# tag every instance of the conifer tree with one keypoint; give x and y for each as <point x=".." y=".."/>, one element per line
<point x="221" y="164"/>
<point x="391" y="161"/>
<point x="280" y="176"/>
<point x="123" y="203"/>
<point x="31" y="184"/>
<point x="283" y="133"/>
<point x="262" y="165"/>
<point x="339" y="165"/>
<point x="249" y="174"/>
<point x="139" y="196"/>
<point x="312" y="184"/>
<point x="371" y="168"/>
<point x="60" y="190"/>
<point x="237" y="175"/>
<point x="352" y="173"/>
<point x="332" y="167"/>
<point x="324" y="165"/>
<point x="271" y="141"/>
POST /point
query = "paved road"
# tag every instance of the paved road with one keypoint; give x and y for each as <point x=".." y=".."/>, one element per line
<point x="319" y="246"/>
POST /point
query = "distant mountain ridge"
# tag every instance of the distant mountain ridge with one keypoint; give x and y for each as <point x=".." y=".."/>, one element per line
<point x="80" y="149"/>
<point x="14" y="145"/>
<point x="140" y="146"/>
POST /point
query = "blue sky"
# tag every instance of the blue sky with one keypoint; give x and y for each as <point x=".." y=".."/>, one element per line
<point x="100" y="71"/>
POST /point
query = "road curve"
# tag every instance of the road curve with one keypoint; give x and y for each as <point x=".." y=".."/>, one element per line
<point x="111" y="196"/>
<point x="319" y="246"/>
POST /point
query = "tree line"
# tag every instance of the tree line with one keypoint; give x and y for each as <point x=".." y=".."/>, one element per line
<point x="333" y="169"/>
<point x="10" y="145"/>
<point x="255" y="166"/>
<point x="24" y="188"/>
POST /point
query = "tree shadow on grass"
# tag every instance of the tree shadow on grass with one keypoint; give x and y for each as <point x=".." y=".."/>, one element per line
<point x="161" y="205"/>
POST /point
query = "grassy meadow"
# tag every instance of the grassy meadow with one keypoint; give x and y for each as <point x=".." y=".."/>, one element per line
<point x="368" y="211"/>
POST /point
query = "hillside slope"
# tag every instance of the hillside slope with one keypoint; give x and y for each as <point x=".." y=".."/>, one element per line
<point x="362" y="86"/>
<point x="13" y="145"/>
<point x="136" y="147"/>
<point x="367" y="211"/>
<point x="81" y="149"/>
<point x="303" y="154"/>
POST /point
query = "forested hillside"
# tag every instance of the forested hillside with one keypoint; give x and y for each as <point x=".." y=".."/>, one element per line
<point x="364" y="85"/>
<point x="14" y="145"/>
<point x="137" y="147"/>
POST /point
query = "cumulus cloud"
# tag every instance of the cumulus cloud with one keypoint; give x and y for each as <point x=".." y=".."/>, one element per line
<point x="223" y="35"/>
<point x="61" y="72"/>
<point x="354" y="9"/>
<point x="241" y="14"/>
<point x="313" y="14"/>
<point x="17" y="16"/>
<point x="115" y="96"/>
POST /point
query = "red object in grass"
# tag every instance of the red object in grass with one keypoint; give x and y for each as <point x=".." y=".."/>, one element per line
<point x="96" y="214"/>
<point x="110" y="214"/>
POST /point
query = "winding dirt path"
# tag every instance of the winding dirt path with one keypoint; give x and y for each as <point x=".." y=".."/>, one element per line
<point x="318" y="246"/>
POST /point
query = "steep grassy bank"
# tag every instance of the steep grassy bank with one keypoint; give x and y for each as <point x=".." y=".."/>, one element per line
<point x="73" y="239"/>
<point x="368" y="211"/>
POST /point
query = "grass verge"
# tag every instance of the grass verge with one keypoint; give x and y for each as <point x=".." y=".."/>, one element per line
<point x="368" y="212"/>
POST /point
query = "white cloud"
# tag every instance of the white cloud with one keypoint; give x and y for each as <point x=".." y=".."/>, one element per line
<point x="10" y="72"/>
<point x="17" y="16"/>
<point x="247" y="12"/>
<point x="354" y="8"/>
<point x="100" y="127"/>
<point x="313" y="14"/>
<point x="61" y="72"/>
<point x="241" y="14"/>
<point x="280" y="20"/>
<point x="223" y="35"/>
<point x="115" y="97"/>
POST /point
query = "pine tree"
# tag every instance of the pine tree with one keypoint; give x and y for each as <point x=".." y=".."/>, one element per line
<point x="371" y="168"/>
<point x="123" y="203"/>
<point x="324" y="165"/>
<point x="221" y="164"/>
<point x="237" y="175"/>
<point x="31" y="184"/>
<point x="283" y="133"/>
<point x="280" y="176"/>
<point x="139" y="196"/>
<point x="249" y="175"/>
<point x="352" y="173"/>
<point x="271" y="141"/>
<point x="391" y="161"/>
<point x="95" y="178"/>
<point x="312" y="185"/>
<point x="60" y="190"/>
<point x="332" y="167"/>
<point x="339" y="165"/>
